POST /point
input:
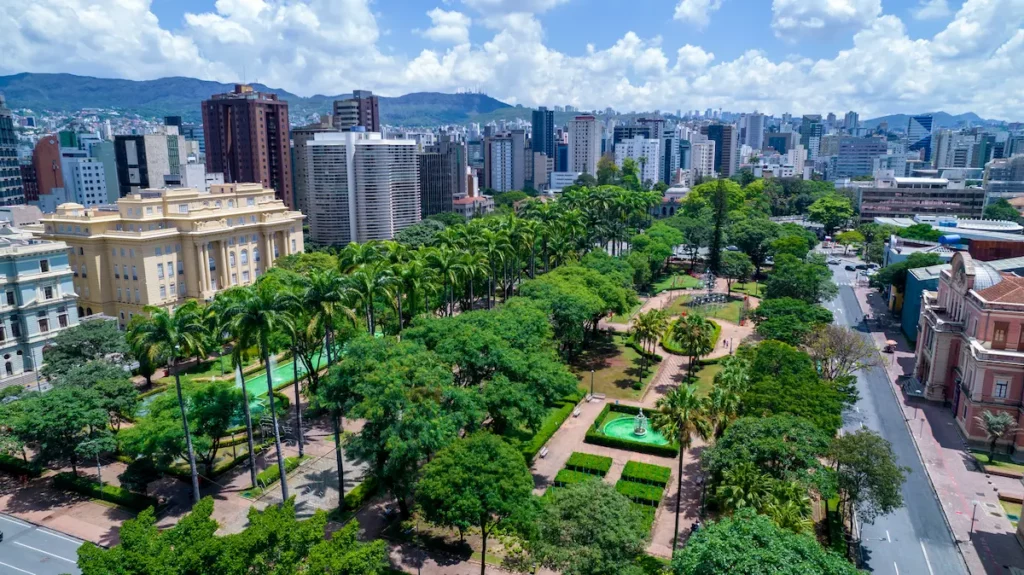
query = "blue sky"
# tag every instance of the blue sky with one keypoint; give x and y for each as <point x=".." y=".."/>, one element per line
<point x="801" y="56"/>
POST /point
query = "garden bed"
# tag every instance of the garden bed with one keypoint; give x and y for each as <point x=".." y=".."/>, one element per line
<point x="616" y="366"/>
<point x="567" y="477"/>
<point x="1000" y="465"/>
<point x="271" y="475"/>
<point x="646" y="473"/>
<point x="18" y="466"/>
<point x="595" y="435"/>
<point x="671" y="347"/>
<point x="68" y="481"/>
<point x="641" y="493"/>
<point x="590" y="464"/>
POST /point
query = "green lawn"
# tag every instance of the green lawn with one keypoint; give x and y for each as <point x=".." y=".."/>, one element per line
<point x="676" y="281"/>
<point x="706" y="378"/>
<point x="755" y="289"/>
<point x="729" y="311"/>
<point x="616" y="368"/>
<point x="1000" y="461"/>
<point x="205" y="371"/>
<point x="624" y="318"/>
<point x="1013" y="511"/>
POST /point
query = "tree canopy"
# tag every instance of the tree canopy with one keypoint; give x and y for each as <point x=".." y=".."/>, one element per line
<point x="1001" y="210"/>
<point x="89" y="340"/>
<point x="788" y="319"/>
<point x="832" y="211"/>
<point x="810" y="280"/>
<point x="896" y="274"/>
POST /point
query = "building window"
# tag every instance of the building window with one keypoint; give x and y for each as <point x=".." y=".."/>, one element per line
<point x="48" y="292"/>
<point x="81" y="251"/>
<point x="62" y="320"/>
<point x="245" y="257"/>
<point x="118" y="294"/>
<point x="131" y="252"/>
<point x="181" y="288"/>
<point x="44" y="322"/>
<point x="1001" y="387"/>
<point x="182" y="208"/>
<point x="10" y="298"/>
<point x="255" y="254"/>
<point x="181" y="268"/>
<point x="999" y="335"/>
<point x="84" y="274"/>
<point x="135" y="276"/>
<point x="174" y="289"/>
<point x="231" y="259"/>
<point x="250" y="201"/>
<point x="163" y="292"/>
<point x="245" y="276"/>
<point x="117" y="272"/>
<point x="234" y="279"/>
<point x="137" y="298"/>
<point x="159" y="251"/>
<point x="160" y="271"/>
<point x="44" y="266"/>
<point x="15" y="326"/>
<point x="293" y="245"/>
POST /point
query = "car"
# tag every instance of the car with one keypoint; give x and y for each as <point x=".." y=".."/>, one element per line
<point x="851" y="268"/>
<point x="862" y="266"/>
<point x="833" y="262"/>
<point x="873" y="266"/>
<point x="732" y="248"/>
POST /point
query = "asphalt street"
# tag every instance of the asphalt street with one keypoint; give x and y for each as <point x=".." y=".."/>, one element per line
<point x="30" y="550"/>
<point x="913" y="540"/>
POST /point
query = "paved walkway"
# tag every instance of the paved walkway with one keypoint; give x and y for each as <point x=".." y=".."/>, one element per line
<point x="967" y="496"/>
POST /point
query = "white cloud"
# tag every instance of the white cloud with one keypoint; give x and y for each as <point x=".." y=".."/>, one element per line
<point x="334" y="46"/>
<point x="793" y="18"/>
<point x="448" y="26"/>
<point x="509" y="6"/>
<point x="696" y="12"/>
<point x="932" y="9"/>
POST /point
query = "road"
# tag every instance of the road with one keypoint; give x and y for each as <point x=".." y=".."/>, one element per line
<point x="30" y="550"/>
<point x="913" y="540"/>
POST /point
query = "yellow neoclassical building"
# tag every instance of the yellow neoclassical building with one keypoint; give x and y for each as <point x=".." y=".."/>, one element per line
<point x="150" y="248"/>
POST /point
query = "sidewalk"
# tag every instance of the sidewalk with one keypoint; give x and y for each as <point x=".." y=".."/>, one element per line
<point x="963" y="492"/>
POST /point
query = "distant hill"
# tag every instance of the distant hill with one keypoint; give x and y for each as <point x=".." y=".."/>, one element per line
<point x="182" y="96"/>
<point x="939" y="120"/>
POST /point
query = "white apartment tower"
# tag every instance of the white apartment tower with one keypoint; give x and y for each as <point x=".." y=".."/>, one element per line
<point x="643" y="151"/>
<point x="584" y="144"/>
<point x="500" y="165"/>
<point x="361" y="187"/>
<point x="702" y="157"/>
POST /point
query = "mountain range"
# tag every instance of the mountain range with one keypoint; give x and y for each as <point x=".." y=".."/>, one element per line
<point x="182" y="96"/>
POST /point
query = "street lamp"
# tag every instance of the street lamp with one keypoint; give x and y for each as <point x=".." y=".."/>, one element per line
<point x="591" y="383"/>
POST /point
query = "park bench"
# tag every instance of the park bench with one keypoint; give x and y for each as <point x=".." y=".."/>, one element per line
<point x="543" y="452"/>
<point x="576" y="412"/>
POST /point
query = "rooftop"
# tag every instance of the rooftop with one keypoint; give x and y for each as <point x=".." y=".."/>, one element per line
<point x="920" y="181"/>
<point x="1009" y="290"/>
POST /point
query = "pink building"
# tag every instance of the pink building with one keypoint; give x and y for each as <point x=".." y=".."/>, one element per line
<point x="970" y="349"/>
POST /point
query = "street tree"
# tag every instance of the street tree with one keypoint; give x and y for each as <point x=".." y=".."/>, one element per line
<point x="736" y="267"/>
<point x="89" y="340"/>
<point x="788" y="319"/>
<point x="1001" y="210"/>
<point x="869" y="479"/>
<point x="57" y="422"/>
<point x="850" y="238"/>
<point x="754" y="237"/>
<point x="832" y="211"/>
<point x="475" y="482"/>
<point x="113" y="385"/>
<point x="840" y="351"/>
<point x="809" y="280"/>
<point x="996" y="426"/>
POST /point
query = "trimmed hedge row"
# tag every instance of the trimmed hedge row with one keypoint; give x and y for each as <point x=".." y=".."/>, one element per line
<point x="670" y="345"/>
<point x="554" y="420"/>
<point x="647" y="513"/>
<point x="271" y="475"/>
<point x="568" y="477"/>
<point x="18" y="466"/>
<point x="595" y="436"/>
<point x="587" y="463"/>
<point x="646" y="473"/>
<point x="136" y="501"/>
<point x="639" y="349"/>
<point x="640" y="493"/>
<point x="360" y="493"/>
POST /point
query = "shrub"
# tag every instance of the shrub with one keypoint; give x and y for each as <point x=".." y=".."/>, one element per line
<point x="18" y="466"/>
<point x="270" y="475"/>
<point x="360" y="493"/>
<point x="639" y="349"/>
<point x="587" y="463"/>
<point x="595" y="436"/>
<point x="136" y="501"/>
<point x="157" y="388"/>
<point x="647" y="512"/>
<point x="554" y="420"/>
<point x="228" y="464"/>
<point x="569" y="477"/>
<point x="640" y="493"/>
<point x="646" y="473"/>
<point x="670" y="346"/>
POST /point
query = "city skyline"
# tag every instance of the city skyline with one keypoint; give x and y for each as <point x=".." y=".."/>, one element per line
<point x="874" y="57"/>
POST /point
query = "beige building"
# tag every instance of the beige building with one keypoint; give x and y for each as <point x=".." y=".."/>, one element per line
<point x="150" y="250"/>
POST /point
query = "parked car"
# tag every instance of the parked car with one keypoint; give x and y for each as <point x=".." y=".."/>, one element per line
<point x="873" y="266"/>
<point x="862" y="266"/>
<point x="833" y="262"/>
<point x="732" y="248"/>
<point x="851" y="268"/>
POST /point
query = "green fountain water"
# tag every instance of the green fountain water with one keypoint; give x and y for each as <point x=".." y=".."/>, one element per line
<point x="634" y="429"/>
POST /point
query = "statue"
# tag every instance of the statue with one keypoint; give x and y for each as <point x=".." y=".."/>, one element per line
<point x="640" y="424"/>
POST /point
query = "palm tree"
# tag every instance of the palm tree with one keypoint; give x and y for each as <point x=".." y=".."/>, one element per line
<point x="253" y="314"/>
<point x="743" y="486"/>
<point x="324" y="297"/>
<point x="414" y="277"/>
<point x="174" y="336"/>
<point x="445" y="262"/>
<point x="647" y="329"/>
<point x="296" y="322"/>
<point x="681" y="416"/>
<point x="693" y="333"/>
<point x="721" y="405"/>
<point x="996" y="426"/>
<point x="367" y="284"/>
<point x="356" y="255"/>
<point x="472" y="266"/>
<point x="735" y="374"/>
<point x="495" y="246"/>
<point x="789" y="516"/>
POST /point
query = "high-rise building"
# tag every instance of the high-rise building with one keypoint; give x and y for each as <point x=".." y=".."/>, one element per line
<point x="643" y="151"/>
<point x="163" y="247"/>
<point x="671" y="154"/>
<point x="143" y="161"/>
<point x="562" y="157"/>
<point x="811" y="131"/>
<point x="442" y="176"/>
<point x="702" y="154"/>
<point x="29" y="181"/>
<point x="300" y="165"/>
<point x="628" y="132"/>
<point x="781" y="142"/>
<point x="754" y="136"/>
<point x="919" y="135"/>
<point x="857" y="156"/>
<point x="543" y="138"/>
<point x="246" y="135"/>
<point x="851" y="122"/>
<point x="499" y="163"/>
<point x="361" y="187"/>
<point x="195" y="133"/>
<point x="11" y="190"/>
<point x="726" y="148"/>
<point x="362" y="109"/>
<point x="46" y="160"/>
<point x="584" y="145"/>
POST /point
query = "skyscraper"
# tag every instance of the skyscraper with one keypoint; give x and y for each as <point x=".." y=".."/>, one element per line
<point x="857" y="156"/>
<point x="442" y="176"/>
<point x="362" y="109"/>
<point x="498" y="162"/>
<point x="46" y="159"/>
<point x="246" y="135"/>
<point x="643" y="151"/>
<point x="544" y="131"/>
<point x="811" y="131"/>
<point x="300" y="166"/>
<point x="919" y="135"/>
<point x="361" y="187"/>
<point x="754" y="136"/>
<point x="11" y="189"/>
<point x="851" y="122"/>
<point x="727" y="148"/>
<point x="143" y="161"/>
<point x="584" y="144"/>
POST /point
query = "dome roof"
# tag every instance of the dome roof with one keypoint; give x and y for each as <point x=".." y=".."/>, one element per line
<point x="985" y="276"/>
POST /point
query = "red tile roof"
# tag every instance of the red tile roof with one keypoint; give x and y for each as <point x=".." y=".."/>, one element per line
<point x="1010" y="290"/>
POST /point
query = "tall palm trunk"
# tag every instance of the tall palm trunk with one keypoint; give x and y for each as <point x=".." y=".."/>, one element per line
<point x="298" y="399"/>
<point x="679" y="493"/>
<point x="248" y="426"/>
<point x="335" y="417"/>
<point x="470" y="282"/>
<point x="398" y="298"/>
<point x="277" y="432"/>
<point x="188" y="441"/>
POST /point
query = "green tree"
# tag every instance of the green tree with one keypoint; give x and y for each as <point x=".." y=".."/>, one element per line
<point x="1001" y="210"/>
<point x="449" y="219"/>
<point x="720" y="208"/>
<point x="87" y="341"/>
<point x="896" y="274"/>
<point x="697" y="231"/>
<point x="850" y="238"/>
<point x="809" y="280"/>
<point x="754" y="237"/>
<point x="588" y="528"/>
<point x="996" y="426"/>
<point x="693" y="334"/>
<point x="305" y="263"/>
<point x="832" y="211"/>
<point x="117" y="395"/>
<point x="420" y="234"/>
<point x="475" y="482"/>
<point x="840" y="352"/>
<point x="790" y="245"/>
<point x="173" y="336"/>
<point x="647" y="330"/>
<point x="508" y="199"/>
<point x="607" y="171"/>
<point x="57" y="422"/>
<point x="736" y="266"/>
<point x="920" y="232"/>
<point x="788" y="319"/>
<point x="751" y="544"/>
<point x="681" y="416"/>
<point x="869" y="478"/>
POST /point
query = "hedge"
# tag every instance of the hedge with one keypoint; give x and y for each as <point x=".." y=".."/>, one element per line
<point x="551" y="423"/>
<point x="157" y="388"/>
<point x="271" y="475"/>
<point x="18" y="466"/>
<point x="640" y="493"/>
<point x="646" y="473"/>
<point x="587" y="463"/>
<point x="594" y="435"/>
<point x="360" y="493"/>
<point x="643" y="353"/>
<point x="647" y="513"/>
<point x="136" y="501"/>
<point x="227" y="464"/>
<point x="671" y="347"/>
<point x="568" y="477"/>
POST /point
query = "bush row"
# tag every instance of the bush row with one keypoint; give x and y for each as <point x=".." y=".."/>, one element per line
<point x="647" y="513"/>
<point x="587" y="463"/>
<point x="640" y="493"/>
<point x="136" y="501"/>
<point x="18" y="466"/>
<point x="639" y="349"/>
<point x="595" y="436"/>
<point x="360" y="493"/>
<point x="670" y="345"/>
<point x="271" y="475"/>
<point x="646" y="473"/>
<point x="554" y="420"/>
<point x="568" y="477"/>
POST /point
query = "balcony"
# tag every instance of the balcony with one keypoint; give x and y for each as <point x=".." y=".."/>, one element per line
<point x="982" y="351"/>
<point x="940" y="319"/>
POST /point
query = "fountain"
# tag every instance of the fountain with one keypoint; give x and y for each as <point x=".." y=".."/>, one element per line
<point x="633" y="428"/>
<point x="640" y="424"/>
